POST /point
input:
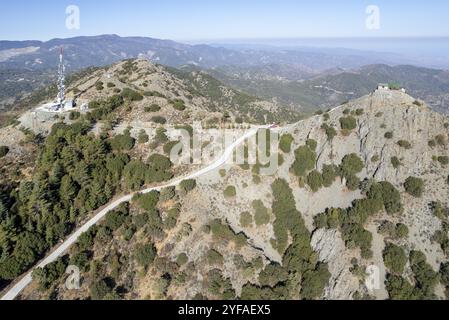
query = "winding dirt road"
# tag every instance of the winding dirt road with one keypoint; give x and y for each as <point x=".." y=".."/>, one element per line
<point x="15" y="290"/>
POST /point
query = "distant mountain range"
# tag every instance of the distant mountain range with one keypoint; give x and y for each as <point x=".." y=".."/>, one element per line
<point x="82" y="52"/>
<point x="336" y="86"/>
<point x="290" y="75"/>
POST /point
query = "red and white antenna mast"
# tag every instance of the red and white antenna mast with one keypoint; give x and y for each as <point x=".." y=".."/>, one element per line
<point x="61" y="79"/>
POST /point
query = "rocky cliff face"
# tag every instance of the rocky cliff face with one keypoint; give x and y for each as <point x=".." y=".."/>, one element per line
<point x="388" y="117"/>
<point x="396" y="138"/>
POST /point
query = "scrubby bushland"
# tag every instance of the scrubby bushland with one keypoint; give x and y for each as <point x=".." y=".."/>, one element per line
<point x="300" y="275"/>
<point x="351" y="221"/>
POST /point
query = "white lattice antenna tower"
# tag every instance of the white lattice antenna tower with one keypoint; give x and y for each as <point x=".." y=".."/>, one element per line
<point x="61" y="79"/>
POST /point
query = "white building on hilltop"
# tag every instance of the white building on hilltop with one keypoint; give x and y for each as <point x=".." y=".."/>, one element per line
<point x="385" y="87"/>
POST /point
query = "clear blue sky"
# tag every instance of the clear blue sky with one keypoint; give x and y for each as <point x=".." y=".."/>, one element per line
<point x="222" y="19"/>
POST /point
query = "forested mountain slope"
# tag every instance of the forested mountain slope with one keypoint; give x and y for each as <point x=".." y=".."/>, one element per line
<point x="362" y="186"/>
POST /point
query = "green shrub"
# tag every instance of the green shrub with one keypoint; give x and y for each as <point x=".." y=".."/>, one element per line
<point x="401" y="231"/>
<point x="230" y="192"/>
<point x="178" y="104"/>
<point x="329" y="175"/>
<point x="312" y="144"/>
<point x="351" y="165"/>
<point x="111" y="85"/>
<point x="394" y="258"/>
<point x="222" y="231"/>
<point x="395" y="162"/>
<point x="352" y="182"/>
<point x="159" y="169"/>
<point x="441" y="140"/>
<point x="99" y="290"/>
<point x="399" y="288"/>
<point x="188" y="185"/>
<point x="272" y="274"/>
<point x="160" y="138"/>
<point x="404" y="144"/>
<point x="143" y="137"/>
<point x="48" y="275"/>
<point x="261" y="215"/>
<point x="314" y="282"/>
<point x="159" y="120"/>
<point x="331" y="133"/>
<point x="147" y="201"/>
<point x="355" y="235"/>
<point x="131" y="95"/>
<point x="182" y="259"/>
<point x="74" y="115"/>
<point x="152" y="108"/>
<point x="388" y="195"/>
<point x="304" y="162"/>
<point x="115" y="219"/>
<point x="145" y="254"/>
<point x="389" y="229"/>
<point x="444" y="272"/>
<point x="440" y="211"/>
<point x="414" y="186"/>
<point x="99" y="86"/>
<point x="388" y="135"/>
<point x="285" y="143"/>
<point x="214" y="257"/>
<point x="140" y="220"/>
<point x="81" y="260"/>
<point x="246" y="219"/>
<point x="220" y="287"/>
<point x="122" y="142"/>
<point x="426" y="278"/>
<point x="3" y="151"/>
<point x="348" y="123"/>
<point x="444" y="160"/>
<point x="153" y="94"/>
<point x="134" y="174"/>
<point x="315" y="180"/>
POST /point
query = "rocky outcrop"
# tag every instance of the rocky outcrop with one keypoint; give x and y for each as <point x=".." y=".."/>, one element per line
<point x="331" y="249"/>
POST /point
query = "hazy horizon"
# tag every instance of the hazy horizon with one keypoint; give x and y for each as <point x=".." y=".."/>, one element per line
<point x="200" y="19"/>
